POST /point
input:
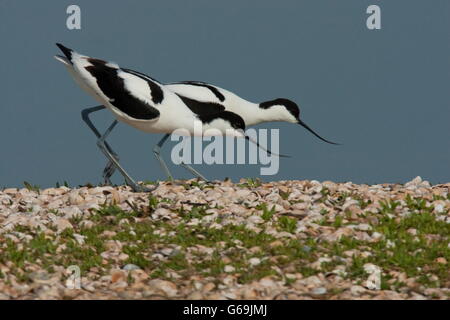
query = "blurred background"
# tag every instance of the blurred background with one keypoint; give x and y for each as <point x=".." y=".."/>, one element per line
<point x="383" y="93"/>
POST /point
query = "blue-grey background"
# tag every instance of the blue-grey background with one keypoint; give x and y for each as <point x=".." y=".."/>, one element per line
<point x="384" y="94"/>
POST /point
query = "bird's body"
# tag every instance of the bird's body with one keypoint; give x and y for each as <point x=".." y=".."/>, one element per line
<point x="144" y="103"/>
<point x="200" y="91"/>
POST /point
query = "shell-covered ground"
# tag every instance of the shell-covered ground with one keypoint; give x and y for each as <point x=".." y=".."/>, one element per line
<point x="224" y="240"/>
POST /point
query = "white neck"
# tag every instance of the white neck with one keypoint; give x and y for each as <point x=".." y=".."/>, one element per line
<point x="250" y="112"/>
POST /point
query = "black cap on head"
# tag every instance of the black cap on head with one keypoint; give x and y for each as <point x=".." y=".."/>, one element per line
<point x="290" y="106"/>
<point x="293" y="109"/>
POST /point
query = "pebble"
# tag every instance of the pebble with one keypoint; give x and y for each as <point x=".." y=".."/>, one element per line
<point x="306" y="248"/>
<point x="439" y="207"/>
<point x="229" y="268"/>
<point x="42" y="277"/>
<point x="254" y="261"/>
<point x="79" y="238"/>
<point x="357" y="290"/>
<point x="208" y="287"/>
<point x="62" y="224"/>
<point x="276" y="243"/>
<point x="267" y="282"/>
<point x="364" y="227"/>
<point x="167" y="251"/>
<point x="196" y="295"/>
<point x="130" y="266"/>
<point x="169" y="288"/>
<point x="319" y="291"/>
<point x="117" y="275"/>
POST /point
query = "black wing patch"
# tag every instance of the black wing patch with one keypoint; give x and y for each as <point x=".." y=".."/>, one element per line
<point x="156" y="91"/>
<point x="113" y="87"/>
<point x="232" y="118"/>
<point x="202" y="108"/>
<point x="214" y="90"/>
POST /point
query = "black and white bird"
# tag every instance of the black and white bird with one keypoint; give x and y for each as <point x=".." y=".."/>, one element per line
<point x="150" y="106"/>
<point x="145" y="104"/>
<point x="252" y="113"/>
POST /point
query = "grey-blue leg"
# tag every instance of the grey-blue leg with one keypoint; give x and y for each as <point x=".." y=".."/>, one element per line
<point x="193" y="171"/>
<point x="102" y="145"/>
<point x="113" y="158"/>
<point x="157" y="153"/>
<point x="109" y="169"/>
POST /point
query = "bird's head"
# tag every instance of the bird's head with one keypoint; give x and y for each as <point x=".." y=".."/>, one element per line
<point x="288" y="111"/>
<point x="281" y="110"/>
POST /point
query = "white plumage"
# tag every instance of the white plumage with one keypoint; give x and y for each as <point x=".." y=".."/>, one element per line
<point x="249" y="111"/>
